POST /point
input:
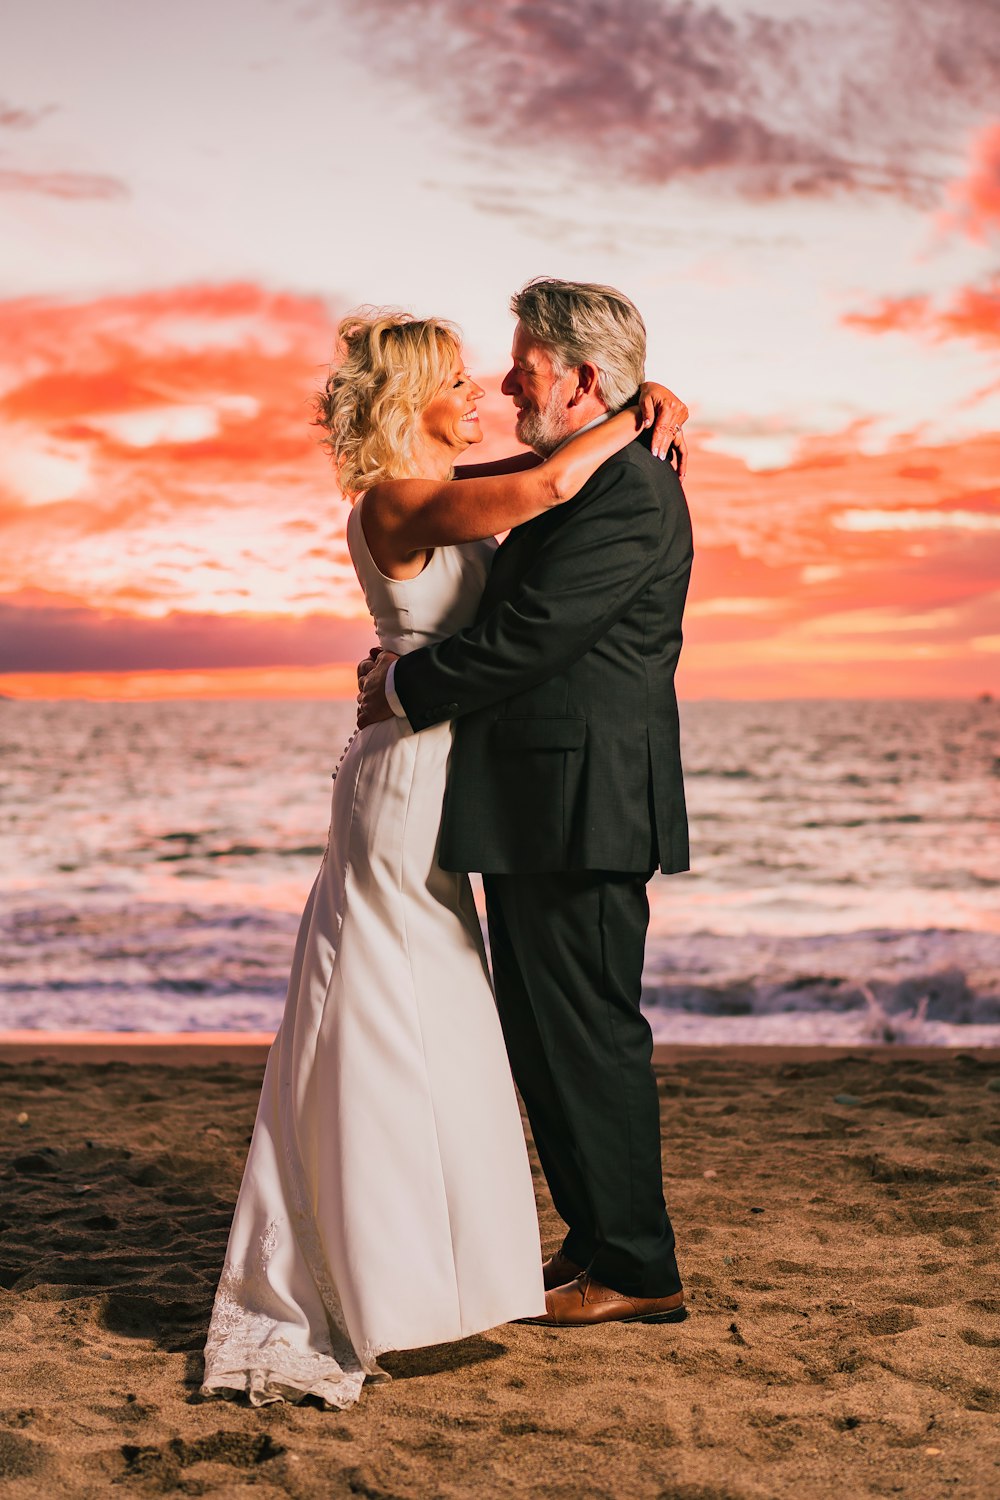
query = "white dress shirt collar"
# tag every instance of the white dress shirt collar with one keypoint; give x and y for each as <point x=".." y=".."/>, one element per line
<point x="604" y="417"/>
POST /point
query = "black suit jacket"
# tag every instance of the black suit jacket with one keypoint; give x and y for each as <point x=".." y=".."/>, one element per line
<point x="566" y="752"/>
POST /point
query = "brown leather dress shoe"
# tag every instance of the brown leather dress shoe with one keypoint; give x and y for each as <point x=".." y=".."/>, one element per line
<point x="584" y="1302"/>
<point x="559" y="1269"/>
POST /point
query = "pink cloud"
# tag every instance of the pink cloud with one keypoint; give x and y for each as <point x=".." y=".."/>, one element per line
<point x="15" y="117"/>
<point x="70" y="185"/>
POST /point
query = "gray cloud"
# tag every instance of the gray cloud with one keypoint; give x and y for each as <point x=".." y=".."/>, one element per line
<point x="69" y="185"/>
<point x="74" y="638"/>
<point x="842" y="96"/>
<point x="532" y="214"/>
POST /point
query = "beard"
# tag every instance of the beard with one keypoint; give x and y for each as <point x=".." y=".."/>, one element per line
<point x="544" y="430"/>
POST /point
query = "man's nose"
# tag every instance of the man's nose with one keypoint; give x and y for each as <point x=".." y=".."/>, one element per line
<point x="509" y="385"/>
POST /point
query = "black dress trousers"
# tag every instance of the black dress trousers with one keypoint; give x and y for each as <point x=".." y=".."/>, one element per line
<point x="567" y="951"/>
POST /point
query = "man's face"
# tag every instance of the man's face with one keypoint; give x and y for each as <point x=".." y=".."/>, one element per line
<point x="540" y="393"/>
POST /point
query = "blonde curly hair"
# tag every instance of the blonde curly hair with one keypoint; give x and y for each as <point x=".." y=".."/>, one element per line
<point x="390" y="366"/>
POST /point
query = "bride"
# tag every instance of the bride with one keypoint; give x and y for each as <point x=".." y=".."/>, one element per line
<point x="387" y="1200"/>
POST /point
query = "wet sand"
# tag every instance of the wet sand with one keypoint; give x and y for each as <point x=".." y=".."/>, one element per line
<point x="840" y="1258"/>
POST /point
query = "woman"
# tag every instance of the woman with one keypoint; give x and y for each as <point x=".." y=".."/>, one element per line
<point x="387" y="1200"/>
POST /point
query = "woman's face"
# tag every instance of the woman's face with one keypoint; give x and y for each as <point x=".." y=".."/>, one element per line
<point x="450" y="419"/>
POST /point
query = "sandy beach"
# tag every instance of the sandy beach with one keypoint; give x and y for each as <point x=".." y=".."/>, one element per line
<point x="837" y="1226"/>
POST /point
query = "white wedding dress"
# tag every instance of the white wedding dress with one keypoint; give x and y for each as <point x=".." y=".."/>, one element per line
<point x="386" y="1201"/>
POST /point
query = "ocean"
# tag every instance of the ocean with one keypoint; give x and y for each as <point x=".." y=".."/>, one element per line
<point x="155" y="857"/>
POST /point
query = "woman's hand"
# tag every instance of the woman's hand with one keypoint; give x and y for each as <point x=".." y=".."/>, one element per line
<point x="666" y="414"/>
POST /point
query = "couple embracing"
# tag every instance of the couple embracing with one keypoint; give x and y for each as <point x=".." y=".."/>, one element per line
<point x="519" y="720"/>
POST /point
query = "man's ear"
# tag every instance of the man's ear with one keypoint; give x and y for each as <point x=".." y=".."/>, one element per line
<point x="587" y="377"/>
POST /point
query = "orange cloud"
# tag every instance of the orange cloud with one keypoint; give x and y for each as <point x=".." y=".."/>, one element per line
<point x="159" y="445"/>
<point x="337" y="681"/>
<point x="169" y="526"/>
<point x="977" y="197"/>
<point x="973" y="313"/>
<point x="842" y="573"/>
<point x="893" y="315"/>
<point x="845" y="573"/>
<point x="156" y="452"/>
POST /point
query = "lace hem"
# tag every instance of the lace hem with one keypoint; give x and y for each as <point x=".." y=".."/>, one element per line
<point x="266" y="1378"/>
<point x="249" y="1352"/>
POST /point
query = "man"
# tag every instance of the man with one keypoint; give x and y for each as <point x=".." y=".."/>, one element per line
<point x="565" y="791"/>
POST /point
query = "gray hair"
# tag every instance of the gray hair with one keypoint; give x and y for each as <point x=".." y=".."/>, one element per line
<point x="581" y="322"/>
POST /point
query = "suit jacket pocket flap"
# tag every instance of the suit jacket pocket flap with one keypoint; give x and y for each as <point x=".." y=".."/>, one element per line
<point x="540" y="734"/>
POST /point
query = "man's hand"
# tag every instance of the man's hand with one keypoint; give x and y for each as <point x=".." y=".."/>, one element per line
<point x="372" y="705"/>
<point x="666" y="414"/>
<point x="364" y="667"/>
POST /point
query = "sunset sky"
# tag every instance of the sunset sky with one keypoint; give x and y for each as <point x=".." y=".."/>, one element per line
<point x="802" y="198"/>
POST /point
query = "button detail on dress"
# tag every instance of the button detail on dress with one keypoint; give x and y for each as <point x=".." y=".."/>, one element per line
<point x="333" y="777"/>
<point x="343" y="753"/>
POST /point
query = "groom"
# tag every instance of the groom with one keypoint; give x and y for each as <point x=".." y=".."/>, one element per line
<point x="565" y="791"/>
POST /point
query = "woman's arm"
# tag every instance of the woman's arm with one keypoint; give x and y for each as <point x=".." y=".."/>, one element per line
<point x="404" y="517"/>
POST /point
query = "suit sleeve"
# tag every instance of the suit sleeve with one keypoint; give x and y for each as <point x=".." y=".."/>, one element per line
<point x="585" y="577"/>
